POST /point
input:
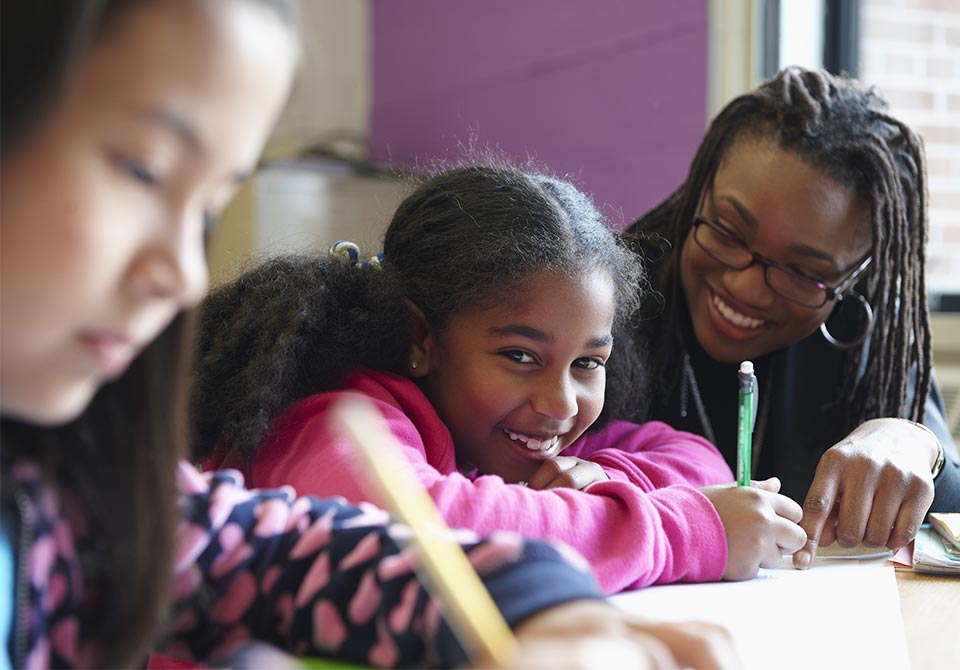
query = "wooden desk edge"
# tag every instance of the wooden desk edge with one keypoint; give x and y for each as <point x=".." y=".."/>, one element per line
<point x="930" y="606"/>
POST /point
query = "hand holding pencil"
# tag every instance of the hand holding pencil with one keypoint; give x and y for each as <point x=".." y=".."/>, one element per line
<point x="761" y="525"/>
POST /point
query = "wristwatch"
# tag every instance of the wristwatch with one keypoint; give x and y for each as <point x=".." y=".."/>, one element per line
<point x="941" y="459"/>
<point x="938" y="465"/>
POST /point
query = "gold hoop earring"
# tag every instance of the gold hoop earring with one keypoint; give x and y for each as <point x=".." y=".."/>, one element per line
<point x="852" y="344"/>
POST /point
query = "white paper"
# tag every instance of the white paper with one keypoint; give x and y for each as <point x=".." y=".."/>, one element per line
<point x="839" y="614"/>
<point x="860" y="552"/>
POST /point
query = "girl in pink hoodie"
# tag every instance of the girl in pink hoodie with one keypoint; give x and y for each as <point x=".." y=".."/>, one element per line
<point x="488" y="333"/>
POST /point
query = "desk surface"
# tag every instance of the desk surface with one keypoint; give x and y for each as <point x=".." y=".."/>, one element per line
<point x="930" y="605"/>
<point x="923" y="635"/>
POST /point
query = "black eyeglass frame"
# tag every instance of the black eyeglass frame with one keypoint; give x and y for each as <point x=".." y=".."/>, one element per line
<point x="829" y="292"/>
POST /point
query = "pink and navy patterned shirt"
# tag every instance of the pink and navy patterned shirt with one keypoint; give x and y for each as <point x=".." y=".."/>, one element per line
<point x="315" y="577"/>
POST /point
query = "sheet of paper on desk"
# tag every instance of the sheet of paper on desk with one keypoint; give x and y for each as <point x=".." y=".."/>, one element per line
<point x="839" y="614"/>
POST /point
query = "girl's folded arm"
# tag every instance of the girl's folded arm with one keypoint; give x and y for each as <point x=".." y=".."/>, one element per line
<point x="653" y="455"/>
<point x="630" y="537"/>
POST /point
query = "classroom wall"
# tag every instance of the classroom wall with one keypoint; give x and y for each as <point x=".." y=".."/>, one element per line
<point x="331" y="97"/>
<point x="610" y="92"/>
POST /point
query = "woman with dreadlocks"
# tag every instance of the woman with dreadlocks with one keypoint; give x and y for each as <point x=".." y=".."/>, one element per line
<point x="798" y="241"/>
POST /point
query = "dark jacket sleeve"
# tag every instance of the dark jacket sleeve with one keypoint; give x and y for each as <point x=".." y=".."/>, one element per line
<point x="320" y="577"/>
<point x="947" y="483"/>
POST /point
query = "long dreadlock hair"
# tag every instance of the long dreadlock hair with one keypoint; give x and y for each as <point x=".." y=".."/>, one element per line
<point x="843" y="128"/>
<point x="294" y="326"/>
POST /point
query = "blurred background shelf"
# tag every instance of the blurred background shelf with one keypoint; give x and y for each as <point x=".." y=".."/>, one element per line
<point x="301" y="206"/>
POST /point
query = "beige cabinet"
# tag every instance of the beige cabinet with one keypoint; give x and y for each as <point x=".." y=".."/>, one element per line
<point x="298" y="206"/>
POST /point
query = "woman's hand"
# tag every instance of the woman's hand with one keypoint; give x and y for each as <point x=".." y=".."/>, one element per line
<point x="593" y="634"/>
<point x="872" y="487"/>
<point x="567" y="472"/>
<point x="761" y="525"/>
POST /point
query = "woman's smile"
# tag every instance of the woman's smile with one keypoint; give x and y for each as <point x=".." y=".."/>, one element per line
<point x="731" y="322"/>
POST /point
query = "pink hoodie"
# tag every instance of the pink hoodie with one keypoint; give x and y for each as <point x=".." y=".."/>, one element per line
<point x="647" y="525"/>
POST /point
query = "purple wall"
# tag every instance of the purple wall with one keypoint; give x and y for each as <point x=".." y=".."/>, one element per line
<point x="609" y="92"/>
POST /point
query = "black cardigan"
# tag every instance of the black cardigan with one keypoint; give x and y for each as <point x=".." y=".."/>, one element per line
<point x="798" y="386"/>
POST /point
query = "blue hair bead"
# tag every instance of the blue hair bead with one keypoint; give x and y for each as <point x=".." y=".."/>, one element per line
<point x="349" y="254"/>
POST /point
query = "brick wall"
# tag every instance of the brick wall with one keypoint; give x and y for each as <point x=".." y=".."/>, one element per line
<point x="910" y="49"/>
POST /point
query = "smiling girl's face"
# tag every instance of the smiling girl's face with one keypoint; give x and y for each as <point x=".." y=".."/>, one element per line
<point x="518" y="382"/>
<point x="105" y="200"/>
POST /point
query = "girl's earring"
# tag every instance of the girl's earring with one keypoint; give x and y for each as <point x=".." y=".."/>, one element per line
<point x="413" y="365"/>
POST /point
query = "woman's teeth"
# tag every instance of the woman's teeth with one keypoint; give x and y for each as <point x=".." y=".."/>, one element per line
<point x="735" y="317"/>
<point x="533" y="443"/>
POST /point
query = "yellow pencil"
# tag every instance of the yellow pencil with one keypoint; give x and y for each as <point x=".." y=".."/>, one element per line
<point x="444" y="567"/>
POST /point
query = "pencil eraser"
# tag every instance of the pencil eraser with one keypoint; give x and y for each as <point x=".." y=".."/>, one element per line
<point x="746" y="367"/>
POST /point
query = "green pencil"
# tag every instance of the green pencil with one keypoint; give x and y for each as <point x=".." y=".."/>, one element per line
<point x="746" y="420"/>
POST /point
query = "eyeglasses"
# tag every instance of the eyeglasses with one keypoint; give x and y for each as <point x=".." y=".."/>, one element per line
<point x="733" y="252"/>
